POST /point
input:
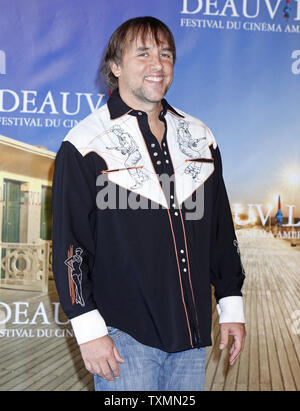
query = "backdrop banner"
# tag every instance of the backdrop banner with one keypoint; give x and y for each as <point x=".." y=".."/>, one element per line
<point x="238" y="70"/>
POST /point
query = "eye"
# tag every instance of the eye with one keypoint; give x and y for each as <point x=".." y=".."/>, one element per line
<point x="166" y="55"/>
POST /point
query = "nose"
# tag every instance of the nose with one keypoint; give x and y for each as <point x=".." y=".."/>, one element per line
<point x="156" y="62"/>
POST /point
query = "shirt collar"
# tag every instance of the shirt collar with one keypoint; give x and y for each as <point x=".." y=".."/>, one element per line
<point x="117" y="107"/>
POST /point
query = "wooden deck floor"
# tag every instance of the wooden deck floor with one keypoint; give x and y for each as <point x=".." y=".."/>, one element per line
<point x="270" y="360"/>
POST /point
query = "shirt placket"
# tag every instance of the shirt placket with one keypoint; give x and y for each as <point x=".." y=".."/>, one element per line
<point x="162" y="163"/>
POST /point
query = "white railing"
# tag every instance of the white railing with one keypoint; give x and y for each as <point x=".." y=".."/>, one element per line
<point x="25" y="266"/>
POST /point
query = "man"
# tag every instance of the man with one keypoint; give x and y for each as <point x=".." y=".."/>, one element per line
<point x="146" y="273"/>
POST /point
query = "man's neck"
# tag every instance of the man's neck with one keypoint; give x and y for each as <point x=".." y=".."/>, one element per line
<point x="152" y="109"/>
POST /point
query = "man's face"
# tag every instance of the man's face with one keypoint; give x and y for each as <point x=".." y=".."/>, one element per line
<point x="145" y="73"/>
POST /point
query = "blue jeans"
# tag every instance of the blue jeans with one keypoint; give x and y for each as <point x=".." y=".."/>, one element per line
<point x="151" y="369"/>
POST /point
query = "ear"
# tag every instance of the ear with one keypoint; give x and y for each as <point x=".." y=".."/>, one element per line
<point x="115" y="68"/>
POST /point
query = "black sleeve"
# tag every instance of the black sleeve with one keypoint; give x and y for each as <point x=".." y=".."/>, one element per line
<point x="227" y="273"/>
<point x="73" y="208"/>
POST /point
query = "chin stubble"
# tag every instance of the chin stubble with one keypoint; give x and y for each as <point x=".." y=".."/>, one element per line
<point x="141" y="95"/>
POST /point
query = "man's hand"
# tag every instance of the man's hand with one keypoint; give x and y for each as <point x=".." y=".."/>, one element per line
<point x="238" y="331"/>
<point x="101" y="357"/>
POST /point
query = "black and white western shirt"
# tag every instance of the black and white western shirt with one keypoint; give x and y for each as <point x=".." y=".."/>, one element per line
<point x="142" y="230"/>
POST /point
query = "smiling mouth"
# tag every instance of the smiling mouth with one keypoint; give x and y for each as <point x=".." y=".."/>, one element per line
<point x="155" y="79"/>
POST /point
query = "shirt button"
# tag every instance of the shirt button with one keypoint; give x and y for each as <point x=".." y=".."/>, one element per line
<point x="182" y="251"/>
<point x="185" y="270"/>
<point x="158" y="162"/>
<point x="167" y="161"/>
<point x="183" y="260"/>
<point x="171" y="197"/>
<point x="164" y="144"/>
<point x="174" y="205"/>
<point x="176" y="213"/>
<point x="155" y="154"/>
<point x="140" y="113"/>
<point x="152" y="145"/>
<point x="165" y="153"/>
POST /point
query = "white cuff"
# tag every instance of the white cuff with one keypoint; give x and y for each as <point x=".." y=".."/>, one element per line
<point x="88" y="326"/>
<point x="231" y="310"/>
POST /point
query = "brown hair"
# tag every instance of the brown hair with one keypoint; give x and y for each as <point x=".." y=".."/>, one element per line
<point x="139" y="26"/>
